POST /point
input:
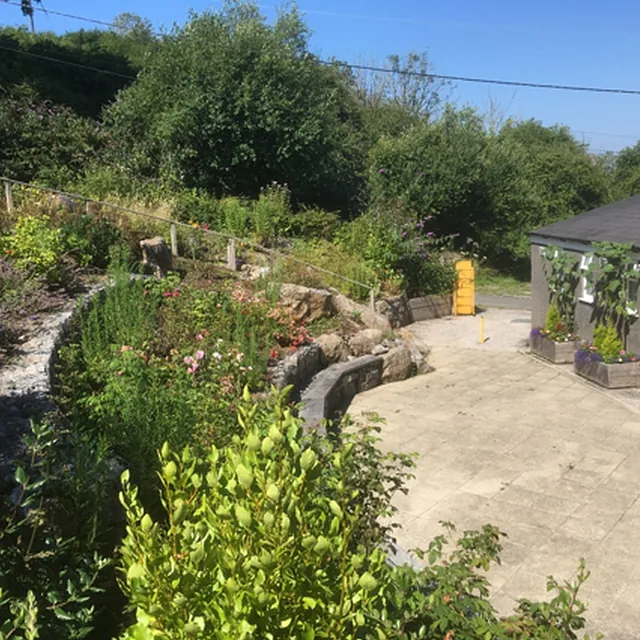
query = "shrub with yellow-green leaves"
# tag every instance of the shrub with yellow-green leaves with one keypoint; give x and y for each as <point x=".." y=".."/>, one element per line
<point x="251" y="548"/>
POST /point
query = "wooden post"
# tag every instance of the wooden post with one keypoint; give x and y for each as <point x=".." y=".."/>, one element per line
<point x="231" y="255"/>
<point x="174" y="240"/>
<point x="372" y="300"/>
<point x="8" y="196"/>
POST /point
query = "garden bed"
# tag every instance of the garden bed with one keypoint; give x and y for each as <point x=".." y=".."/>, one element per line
<point x="553" y="351"/>
<point x="612" y="376"/>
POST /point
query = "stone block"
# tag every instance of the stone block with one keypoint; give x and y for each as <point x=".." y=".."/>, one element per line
<point x="430" y="307"/>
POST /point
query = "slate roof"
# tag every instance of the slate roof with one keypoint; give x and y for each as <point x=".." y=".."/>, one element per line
<point x="616" y="222"/>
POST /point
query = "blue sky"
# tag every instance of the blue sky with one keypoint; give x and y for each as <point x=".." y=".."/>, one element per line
<point x="569" y="42"/>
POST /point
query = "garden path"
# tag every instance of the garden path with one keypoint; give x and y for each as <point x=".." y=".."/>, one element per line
<point x="505" y="439"/>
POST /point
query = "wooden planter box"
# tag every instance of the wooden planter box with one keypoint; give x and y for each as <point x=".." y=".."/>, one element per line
<point x="429" y="307"/>
<point x="611" y="376"/>
<point x="556" y="352"/>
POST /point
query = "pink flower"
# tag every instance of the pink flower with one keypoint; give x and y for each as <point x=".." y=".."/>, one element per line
<point x="125" y="347"/>
<point x="193" y="368"/>
<point x="200" y="355"/>
<point x="119" y="372"/>
<point x="188" y="360"/>
<point x="622" y="352"/>
<point x="167" y="294"/>
<point x="175" y="294"/>
<point x="199" y="337"/>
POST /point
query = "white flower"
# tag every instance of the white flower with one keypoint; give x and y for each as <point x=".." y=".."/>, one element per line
<point x="217" y="356"/>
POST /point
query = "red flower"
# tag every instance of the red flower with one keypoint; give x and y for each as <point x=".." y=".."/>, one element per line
<point x="273" y="353"/>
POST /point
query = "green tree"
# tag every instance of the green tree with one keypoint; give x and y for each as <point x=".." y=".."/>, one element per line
<point x="627" y="172"/>
<point x="432" y="170"/>
<point x="570" y="179"/>
<point x="394" y="102"/>
<point x="84" y="90"/>
<point x="44" y="141"/>
<point x="229" y="104"/>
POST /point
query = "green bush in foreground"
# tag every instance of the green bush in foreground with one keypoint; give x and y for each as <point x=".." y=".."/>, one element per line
<point x="260" y="541"/>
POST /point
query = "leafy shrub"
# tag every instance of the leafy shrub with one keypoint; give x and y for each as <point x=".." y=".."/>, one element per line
<point x="52" y="536"/>
<point x="552" y="320"/>
<point x="279" y="547"/>
<point x="314" y="224"/>
<point x="90" y="239"/>
<point x="261" y="540"/>
<point x="271" y="215"/>
<point x="36" y="247"/>
<point x="607" y="342"/>
<point x="402" y="251"/>
<point x="236" y="216"/>
<point x="198" y="206"/>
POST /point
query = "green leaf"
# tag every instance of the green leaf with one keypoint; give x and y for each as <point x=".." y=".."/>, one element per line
<point x="20" y="476"/>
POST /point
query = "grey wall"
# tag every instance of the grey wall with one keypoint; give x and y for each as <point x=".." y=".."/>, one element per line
<point x="586" y="317"/>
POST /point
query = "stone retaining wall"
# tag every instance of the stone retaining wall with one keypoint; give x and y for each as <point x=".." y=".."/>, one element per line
<point x="332" y="390"/>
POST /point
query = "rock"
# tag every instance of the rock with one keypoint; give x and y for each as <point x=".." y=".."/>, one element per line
<point x="364" y="341"/>
<point x="333" y="347"/>
<point x="396" y="365"/>
<point x="298" y="368"/>
<point x="352" y="310"/>
<point x="419" y="351"/>
<point x="395" y="310"/>
<point x="305" y="303"/>
<point x="379" y="350"/>
<point x="156" y="256"/>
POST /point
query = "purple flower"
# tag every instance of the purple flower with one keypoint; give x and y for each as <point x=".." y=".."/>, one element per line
<point x="381" y="171"/>
<point x="404" y="234"/>
<point x="430" y="234"/>
<point x="200" y="355"/>
<point x="536" y="333"/>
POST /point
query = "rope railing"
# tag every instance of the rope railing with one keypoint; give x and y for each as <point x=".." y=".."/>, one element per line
<point x="174" y="224"/>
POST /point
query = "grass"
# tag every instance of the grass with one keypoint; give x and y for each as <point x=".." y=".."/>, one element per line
<point x="493" y="282"/>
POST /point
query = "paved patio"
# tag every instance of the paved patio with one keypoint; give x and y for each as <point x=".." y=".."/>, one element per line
<point x="552" y="461"/>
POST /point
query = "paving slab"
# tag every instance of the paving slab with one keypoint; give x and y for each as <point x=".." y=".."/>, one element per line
<point x="508" y="440"/>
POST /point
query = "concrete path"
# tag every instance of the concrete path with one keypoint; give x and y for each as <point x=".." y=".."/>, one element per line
<point x="553" y="462"/>
<point x="504" y="330"/>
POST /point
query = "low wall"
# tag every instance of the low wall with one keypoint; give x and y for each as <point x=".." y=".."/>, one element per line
<point x="332" y="390"/>
<point x="430" y="307"/>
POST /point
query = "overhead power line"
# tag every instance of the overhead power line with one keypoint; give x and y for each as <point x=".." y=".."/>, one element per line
<point x="506" y="83"/>
<point x="77" y="65"/>
<point x="421" y="74"/>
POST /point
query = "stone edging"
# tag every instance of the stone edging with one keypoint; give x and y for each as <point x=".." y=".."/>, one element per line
<point x="332" y="390"/>
<point x="27" y="382"/>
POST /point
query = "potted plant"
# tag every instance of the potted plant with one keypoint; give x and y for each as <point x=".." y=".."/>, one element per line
<point x="555" y="341"/>
<point x="606" y="362"/>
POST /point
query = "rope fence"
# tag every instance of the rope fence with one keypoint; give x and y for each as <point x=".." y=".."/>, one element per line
<point x="231" y="239"/>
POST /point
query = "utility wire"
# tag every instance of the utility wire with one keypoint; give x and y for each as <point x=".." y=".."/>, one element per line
<point x="420" y="74"/>
<point x="77" y="65"/>
<point x="506" y="83"/>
